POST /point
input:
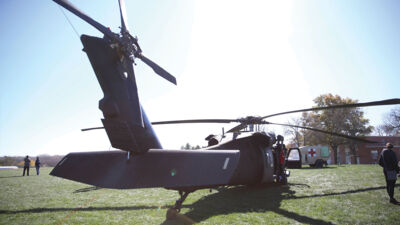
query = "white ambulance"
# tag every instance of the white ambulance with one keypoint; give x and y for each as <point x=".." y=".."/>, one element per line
<point x="315" y="156"/>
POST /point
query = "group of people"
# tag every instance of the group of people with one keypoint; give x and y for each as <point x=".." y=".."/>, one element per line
<point x="27" y="164"/>
<point x="390" y="164"/>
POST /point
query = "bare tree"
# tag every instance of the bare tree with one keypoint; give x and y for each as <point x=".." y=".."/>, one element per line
<point x="391" y="124"/>
<point x="294" y="133"/>
<point x="300" y="136"/>
<point x="380" y="130"/>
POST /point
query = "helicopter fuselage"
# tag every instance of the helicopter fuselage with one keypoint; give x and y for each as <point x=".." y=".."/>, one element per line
<point x="242" y="161"/>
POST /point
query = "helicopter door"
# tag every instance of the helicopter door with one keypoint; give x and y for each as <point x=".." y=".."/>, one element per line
<point x="293" y="158"/>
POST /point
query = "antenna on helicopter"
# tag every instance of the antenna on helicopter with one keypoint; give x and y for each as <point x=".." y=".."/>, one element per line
<point x="223" y="133"/>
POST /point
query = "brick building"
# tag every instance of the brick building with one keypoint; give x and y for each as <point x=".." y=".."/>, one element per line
<point x="367" y="153"/>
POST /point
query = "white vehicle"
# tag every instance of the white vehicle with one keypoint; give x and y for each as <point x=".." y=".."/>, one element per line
<point x="315" y="156"/>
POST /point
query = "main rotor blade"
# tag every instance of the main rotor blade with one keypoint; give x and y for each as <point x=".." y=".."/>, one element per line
<point x="157" y="69"/>
<point x="194" y="121"/>
<point x="70" y="7"/>
<point x="393" y="101"/>
<point x="326" y="132"/>
<point x="124" y="18"/>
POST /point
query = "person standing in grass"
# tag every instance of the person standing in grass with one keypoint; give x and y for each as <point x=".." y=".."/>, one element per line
<point x="26" y="165"/>
<point x="389" y="162"/>
<point x="37" y="165"/>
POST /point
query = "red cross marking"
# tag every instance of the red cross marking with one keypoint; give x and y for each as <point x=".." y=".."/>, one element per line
<point x="312" y="152"/>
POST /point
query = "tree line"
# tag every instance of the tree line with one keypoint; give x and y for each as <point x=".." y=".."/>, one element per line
<point x="187" y="146"/>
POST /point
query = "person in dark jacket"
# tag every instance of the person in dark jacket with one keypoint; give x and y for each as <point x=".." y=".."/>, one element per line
<point x="37" y="165"/>
<point x="211" y="140"/>
<point x="26" y="165"/>
<point x="388" y="161"/>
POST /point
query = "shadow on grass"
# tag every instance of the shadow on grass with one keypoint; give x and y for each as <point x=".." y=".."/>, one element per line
<point x="244" y="200"/>
<point x="79" y="209"/>
<point x="314" y="168"/>
<point x="303" y="185"/>
<point x="12" y="176"/>
<point x="257" y="199"/>
<point x="341" y="193"/>
<point x="226" y="201"/>
<point x="86" y="189"/>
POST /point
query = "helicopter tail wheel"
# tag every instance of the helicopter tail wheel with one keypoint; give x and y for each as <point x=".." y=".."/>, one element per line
<point x="172" y="213"/>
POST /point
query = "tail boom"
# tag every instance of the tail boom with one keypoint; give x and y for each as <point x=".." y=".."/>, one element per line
<point x="157" y="168"/>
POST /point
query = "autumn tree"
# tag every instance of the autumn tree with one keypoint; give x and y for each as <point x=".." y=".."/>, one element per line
<point x="348" y="121"/>
<point x="356" y="125"/>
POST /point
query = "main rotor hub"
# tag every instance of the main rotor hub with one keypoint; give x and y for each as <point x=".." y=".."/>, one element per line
<point x="129" y="45"/>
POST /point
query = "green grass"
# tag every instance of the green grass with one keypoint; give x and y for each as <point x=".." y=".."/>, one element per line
<point x="351" y="194"/>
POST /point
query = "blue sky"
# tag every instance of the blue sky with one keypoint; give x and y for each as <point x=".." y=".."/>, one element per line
<point x="231" y="59"/>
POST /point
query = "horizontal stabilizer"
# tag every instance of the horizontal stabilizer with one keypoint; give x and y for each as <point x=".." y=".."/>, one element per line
<point x="156" y="168"/>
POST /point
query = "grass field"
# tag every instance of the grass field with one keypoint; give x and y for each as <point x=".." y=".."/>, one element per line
<point x="351" y="194"/>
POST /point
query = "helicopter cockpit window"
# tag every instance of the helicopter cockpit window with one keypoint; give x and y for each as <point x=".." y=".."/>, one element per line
<point x="294" y="155"/>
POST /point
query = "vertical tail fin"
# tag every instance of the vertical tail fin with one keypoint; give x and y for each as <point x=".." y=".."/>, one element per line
<point x="124" y="119"/>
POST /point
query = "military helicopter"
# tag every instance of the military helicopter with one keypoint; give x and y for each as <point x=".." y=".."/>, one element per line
<point x="141" y="162"/>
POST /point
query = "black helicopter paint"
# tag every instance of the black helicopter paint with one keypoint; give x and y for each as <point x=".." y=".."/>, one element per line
<point x="143" y="163"/>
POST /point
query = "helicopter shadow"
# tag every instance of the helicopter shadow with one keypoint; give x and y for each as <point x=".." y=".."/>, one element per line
<point x="244" y="199"/>
<point x="322" y="168"/>
<point x="86" y="189"/>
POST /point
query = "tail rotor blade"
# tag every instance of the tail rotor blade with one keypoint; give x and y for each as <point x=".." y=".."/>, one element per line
<point x="124" y="18"/>
<point x="70" y="7"/>
<point x="157" y="69"/>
